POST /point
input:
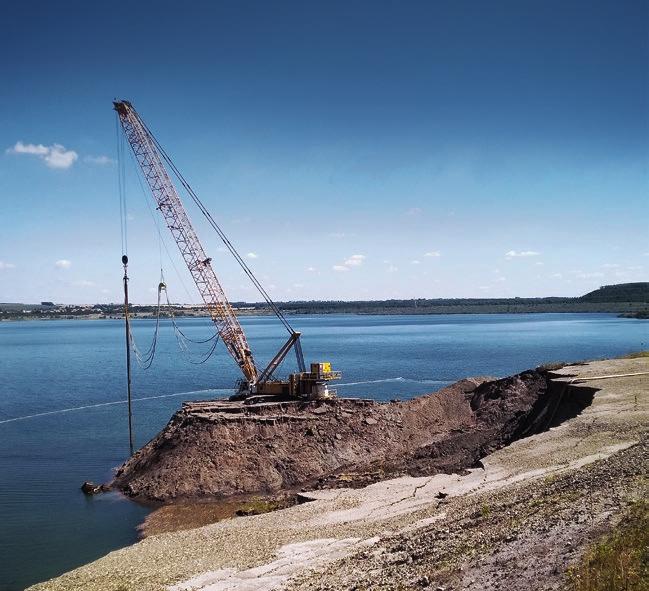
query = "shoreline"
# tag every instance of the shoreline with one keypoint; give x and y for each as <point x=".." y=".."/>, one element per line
<point x="378" y="536"/>
<point x="634" y="314"/>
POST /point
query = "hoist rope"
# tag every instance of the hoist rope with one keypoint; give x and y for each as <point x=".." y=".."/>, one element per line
<point x="145" y="360"/>
<point x="121" y="186"/>
<point x="183" y="339"/>
<point x="162" y="243"/>
<point x="246" y="269"/>
<point x="184" y="348"/>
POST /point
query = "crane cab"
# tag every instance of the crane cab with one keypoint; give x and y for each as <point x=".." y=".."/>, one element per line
<point x="313" y="385"/>
<point x="305" y="385"/>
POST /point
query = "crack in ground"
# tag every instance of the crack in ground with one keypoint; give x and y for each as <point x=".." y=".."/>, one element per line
<point x="401" y="500"/>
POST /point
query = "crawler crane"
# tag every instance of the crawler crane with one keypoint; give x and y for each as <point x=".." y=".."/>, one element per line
<point x="256" y="385"/>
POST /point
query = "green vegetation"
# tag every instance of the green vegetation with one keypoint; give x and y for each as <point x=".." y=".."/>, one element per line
<point x="628" y="300"/>
<point x="641" y="315"/>
<point x="622" y="292"/>
<point x="620" y="560"/>
<point x="259" y="505"/>
<point x="552" y="365"/>
<point x="635" y="355"/>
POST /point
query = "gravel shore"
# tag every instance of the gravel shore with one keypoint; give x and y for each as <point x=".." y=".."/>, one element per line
<point x="517" y="522"/>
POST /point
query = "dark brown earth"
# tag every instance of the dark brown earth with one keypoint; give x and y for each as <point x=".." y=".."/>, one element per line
<point x="188" y="514"/>
<point x="217" y="449"/>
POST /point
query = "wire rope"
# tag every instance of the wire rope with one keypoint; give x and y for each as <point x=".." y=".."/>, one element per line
<point x="162" y="243"/>
<point x="146" y="360"/>
<point x="218" y="230"/>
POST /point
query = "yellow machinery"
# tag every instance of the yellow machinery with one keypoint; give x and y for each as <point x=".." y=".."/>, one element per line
<point x="306" y="384"/>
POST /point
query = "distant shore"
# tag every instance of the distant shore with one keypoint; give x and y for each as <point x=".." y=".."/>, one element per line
<point x="637" y="310"/>
<point x="627" y="299"/>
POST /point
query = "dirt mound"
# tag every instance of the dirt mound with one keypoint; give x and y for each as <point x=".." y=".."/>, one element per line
<point x="224" y="449"/>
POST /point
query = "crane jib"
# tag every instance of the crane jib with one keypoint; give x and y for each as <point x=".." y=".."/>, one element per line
<point x="151" y="158"/>
<point x="191" y="250"/>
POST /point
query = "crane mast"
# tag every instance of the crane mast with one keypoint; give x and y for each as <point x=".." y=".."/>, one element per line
<point x="198" y="263"/>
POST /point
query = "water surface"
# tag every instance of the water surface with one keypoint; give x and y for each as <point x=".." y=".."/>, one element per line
<point x="49" y="526"/>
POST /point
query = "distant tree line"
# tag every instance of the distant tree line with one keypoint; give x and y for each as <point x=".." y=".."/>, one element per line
<point x="630" y="299"/>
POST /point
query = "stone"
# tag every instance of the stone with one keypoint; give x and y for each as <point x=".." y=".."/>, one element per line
<point x="90" y="488"/>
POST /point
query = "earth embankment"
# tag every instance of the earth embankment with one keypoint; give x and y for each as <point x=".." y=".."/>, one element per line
<point x="217" y="449"/>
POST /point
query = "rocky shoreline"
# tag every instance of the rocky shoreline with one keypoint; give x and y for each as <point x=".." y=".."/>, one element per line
<point x="520" y="519"/>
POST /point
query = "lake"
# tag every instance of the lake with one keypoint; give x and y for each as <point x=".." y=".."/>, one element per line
<point x="74" y="371"/>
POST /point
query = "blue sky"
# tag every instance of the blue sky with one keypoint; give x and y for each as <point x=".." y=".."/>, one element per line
<point x="352" y="150"/>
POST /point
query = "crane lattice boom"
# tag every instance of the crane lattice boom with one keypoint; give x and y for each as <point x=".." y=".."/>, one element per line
<point x="175" y="216"/>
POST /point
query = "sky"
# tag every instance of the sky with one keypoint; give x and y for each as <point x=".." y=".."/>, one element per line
<point x="349" y="149"/>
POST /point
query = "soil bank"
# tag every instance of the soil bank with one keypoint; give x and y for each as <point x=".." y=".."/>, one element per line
<point x="216" y="449"/>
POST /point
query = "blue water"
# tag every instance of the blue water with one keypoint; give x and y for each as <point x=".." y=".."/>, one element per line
<point x="47" y="526"/>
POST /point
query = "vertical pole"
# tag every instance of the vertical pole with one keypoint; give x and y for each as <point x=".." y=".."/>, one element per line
<point x="128" y="354"/>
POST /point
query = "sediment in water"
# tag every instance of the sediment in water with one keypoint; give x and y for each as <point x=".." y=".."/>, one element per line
<point x="217" y="449"/>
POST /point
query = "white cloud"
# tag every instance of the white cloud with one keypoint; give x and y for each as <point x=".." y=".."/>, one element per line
<point x="63" y="264"/>
<point x="100" y="160"/>
<point x="54" y="156"/>
<point x="433" y="253"/>
<point x="556" y="276"/>
<point x="413" y="211"/>
<point x="414" y="262"/>
<point x="356" y="260"/>
<point x="610" y="266"/>
<point x="522" y="253"/>
<point x="83" y="283"/>
<point x="252" y="255"/>
<point x="582" y="275"/>
<point x="392" y="269"/>
<point x="36" y="150"/>
<point x="59" y="157"/>
<point x="336" y="234"/>
<point x="311" y="269"/>
<point x="5" y="265"/>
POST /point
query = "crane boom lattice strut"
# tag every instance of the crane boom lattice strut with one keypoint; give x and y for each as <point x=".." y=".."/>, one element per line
<point x="191" y="250"/>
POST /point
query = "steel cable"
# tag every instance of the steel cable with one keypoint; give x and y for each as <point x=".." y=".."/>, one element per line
<point x="218" y="230"/>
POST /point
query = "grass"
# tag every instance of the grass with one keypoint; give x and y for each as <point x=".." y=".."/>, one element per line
<point x="552" y="365"/>
<point x="619" y="561"/>
<point x="635" y="355"/>
<point x="259" y="505"/>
